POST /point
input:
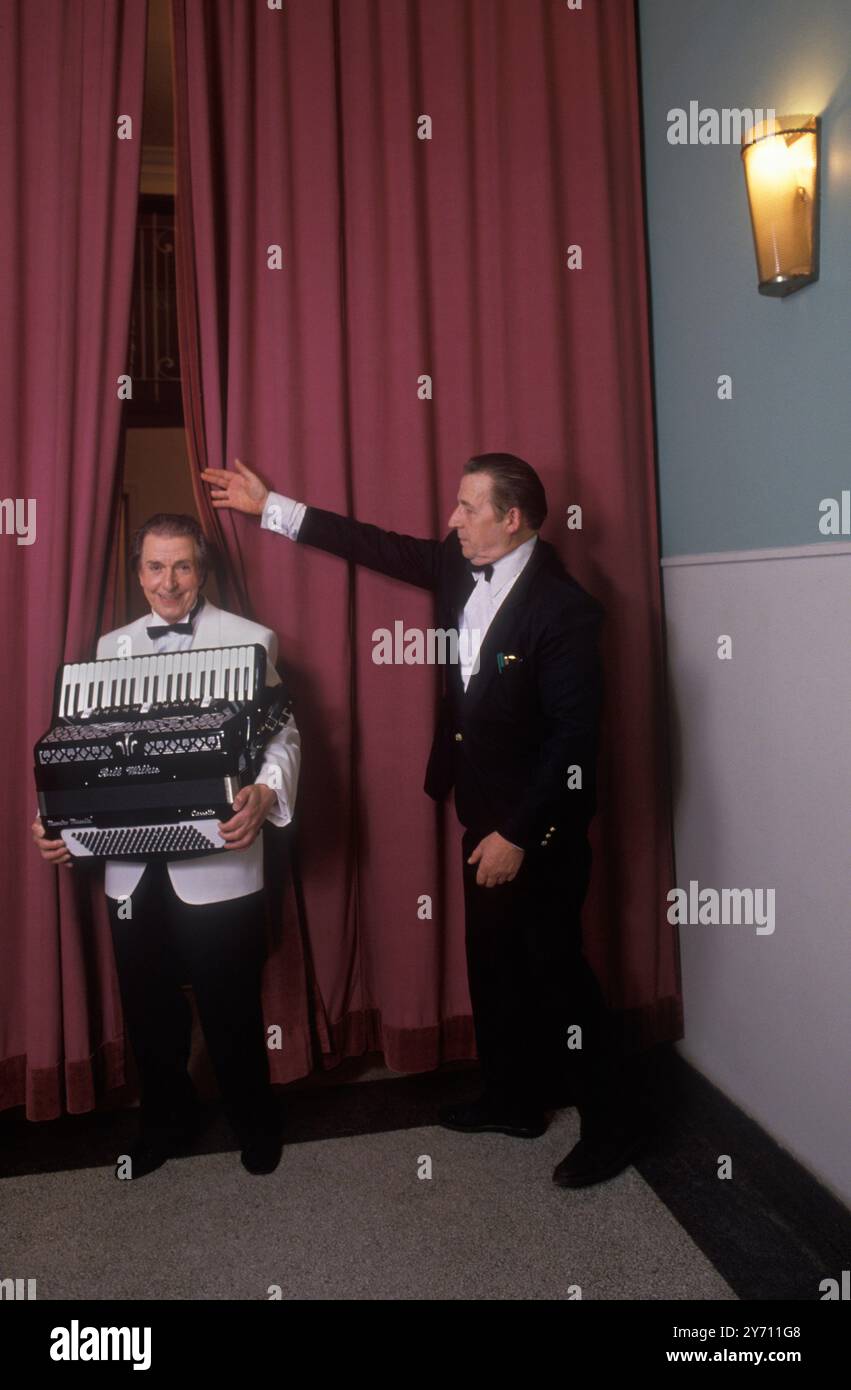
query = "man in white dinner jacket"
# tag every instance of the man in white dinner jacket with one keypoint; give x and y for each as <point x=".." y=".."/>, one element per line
<point x="198" y="920"/>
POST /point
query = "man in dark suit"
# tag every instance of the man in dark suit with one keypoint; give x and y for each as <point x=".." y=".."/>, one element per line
<point x="516" y="738"/>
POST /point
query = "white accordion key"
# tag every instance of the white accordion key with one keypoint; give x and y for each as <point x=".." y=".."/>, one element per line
<point x="181" y="667"/>
<point x="123" y="692"/>
<point x="217" y="675"/>
<point x="66" y="694"/>
<point x="96" y="687"/>
<point x="141" y="696"/>
<point x="88" y="683"/>
<point x="187" y="676"/>
<point x="158" y="673"/>
<point x="207" y="680"/>
<point x="205" y="663"/>
<point x="110" y="678"/>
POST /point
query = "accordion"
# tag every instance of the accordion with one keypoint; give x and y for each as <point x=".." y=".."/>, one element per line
<point x="146" y="754"/>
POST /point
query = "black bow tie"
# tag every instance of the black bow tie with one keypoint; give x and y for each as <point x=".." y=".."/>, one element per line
<point x="486" y="570"/>
<point x="184" y="627"/>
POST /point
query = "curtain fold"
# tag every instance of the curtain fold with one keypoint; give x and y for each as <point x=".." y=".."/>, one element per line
<point x="69" y="190"/>
<point x="375" y="208"/>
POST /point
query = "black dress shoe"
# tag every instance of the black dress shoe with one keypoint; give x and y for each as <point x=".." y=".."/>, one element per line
<point x="151" y="1151"/>
<point x="483" y="1117"/>
<point x="599" y="1158"/>
<point x="156" y="1144"/>
<point x="262" y="1153"/>
<point x="146" y="1155"/>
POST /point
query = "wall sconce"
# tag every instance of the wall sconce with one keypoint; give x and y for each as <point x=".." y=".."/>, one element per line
<point x="781" y="159"/>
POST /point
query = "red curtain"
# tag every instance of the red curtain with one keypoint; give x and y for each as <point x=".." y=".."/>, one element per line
<point x="402" y="258"/>
<point x="68" y="190"/>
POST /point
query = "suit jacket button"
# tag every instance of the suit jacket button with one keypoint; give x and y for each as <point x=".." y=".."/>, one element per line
<point x="458" y="738"/>
<point x="543" y="844"/>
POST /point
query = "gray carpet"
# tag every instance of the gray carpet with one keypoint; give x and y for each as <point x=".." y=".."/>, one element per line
<point x="348" y="1218"/>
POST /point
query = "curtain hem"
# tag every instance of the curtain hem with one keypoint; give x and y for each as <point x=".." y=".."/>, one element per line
<point x="404" y="1050"/>
<point x="49" y="1092"/>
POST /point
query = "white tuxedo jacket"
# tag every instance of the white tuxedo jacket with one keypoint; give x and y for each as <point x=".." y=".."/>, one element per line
<point x="233" y="873"/>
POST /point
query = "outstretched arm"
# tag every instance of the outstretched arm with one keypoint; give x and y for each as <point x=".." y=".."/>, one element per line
<point x="409" y="558"/>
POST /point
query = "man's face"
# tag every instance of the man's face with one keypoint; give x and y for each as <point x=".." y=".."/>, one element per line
<point x="169" y="575"/>
<point x="484" y="536"/>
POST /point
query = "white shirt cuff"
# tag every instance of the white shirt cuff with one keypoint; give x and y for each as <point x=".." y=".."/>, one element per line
<point x="280" y="813"/>
<point x="283" y="515"/>
<point x="280" y="771"/>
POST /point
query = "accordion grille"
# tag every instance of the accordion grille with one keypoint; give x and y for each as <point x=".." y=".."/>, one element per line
<point x="200" y="743"/>
<point x="163" y="724"/>
<point x="83" y="753"/>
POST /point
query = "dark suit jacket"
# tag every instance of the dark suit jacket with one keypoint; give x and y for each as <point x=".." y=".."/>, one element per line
<point x="505" y="743"/>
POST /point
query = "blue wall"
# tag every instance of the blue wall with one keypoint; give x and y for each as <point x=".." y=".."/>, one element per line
<point x="747" y="473"/>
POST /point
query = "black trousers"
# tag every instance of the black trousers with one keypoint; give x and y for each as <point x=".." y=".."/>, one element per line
<point x="529" y="983"/>
<point x="219" y="949"/>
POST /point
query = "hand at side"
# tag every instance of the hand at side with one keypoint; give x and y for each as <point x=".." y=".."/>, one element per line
<point x="498" y="860"/>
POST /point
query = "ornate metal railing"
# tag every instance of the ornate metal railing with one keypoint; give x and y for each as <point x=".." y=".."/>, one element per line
<point x="153" y="355"/>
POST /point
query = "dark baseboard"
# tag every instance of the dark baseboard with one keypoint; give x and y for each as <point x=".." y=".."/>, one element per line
<point x="771" y="1230"/>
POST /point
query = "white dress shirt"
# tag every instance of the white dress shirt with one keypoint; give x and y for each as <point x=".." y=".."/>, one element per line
<point x="485" y="602"/>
